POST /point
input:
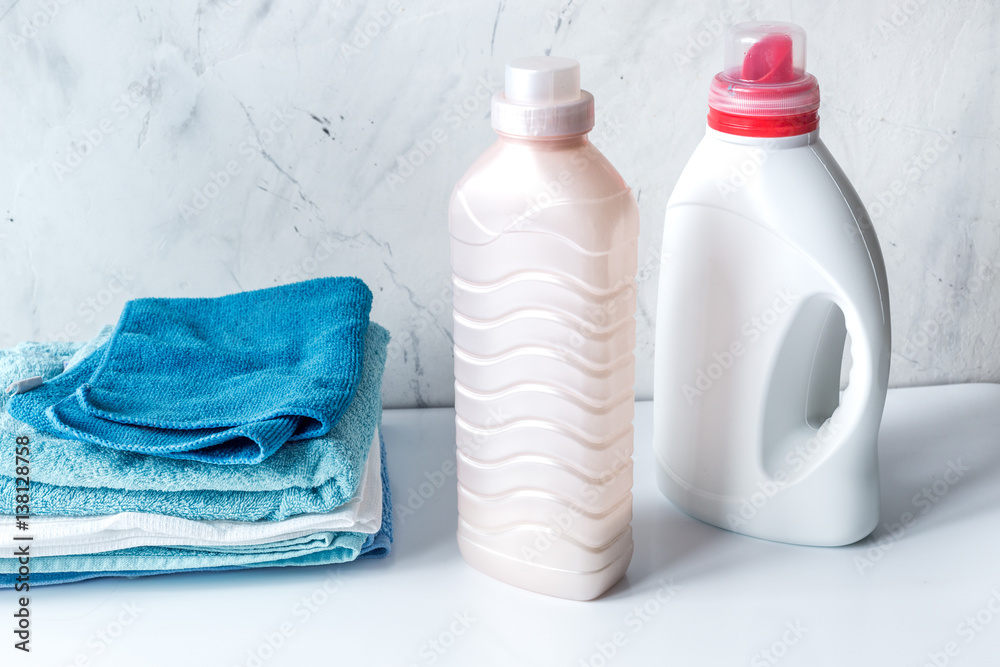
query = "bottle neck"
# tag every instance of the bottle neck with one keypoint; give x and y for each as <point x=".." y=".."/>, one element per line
<point x="771" y="143"/>
<point x="570" y="141"/>
<point x="763" y="126"/>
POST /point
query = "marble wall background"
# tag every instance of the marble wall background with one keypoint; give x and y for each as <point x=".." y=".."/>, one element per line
<point x="195" y="148"/>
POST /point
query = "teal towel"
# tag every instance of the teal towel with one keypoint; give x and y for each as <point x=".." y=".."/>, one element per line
<point x="226" y="380"/>
<point x="317" y="549"/>
<point x="76" y="478"/>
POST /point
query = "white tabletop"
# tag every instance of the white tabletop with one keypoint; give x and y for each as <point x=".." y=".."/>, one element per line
<point x="928" y="593"/>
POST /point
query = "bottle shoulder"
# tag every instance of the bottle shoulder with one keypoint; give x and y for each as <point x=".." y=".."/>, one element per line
<point x="572" y="172"/>
<point x="573" y="192"/>
<point x="798" y="198"/>
<point x="761" y="179"/>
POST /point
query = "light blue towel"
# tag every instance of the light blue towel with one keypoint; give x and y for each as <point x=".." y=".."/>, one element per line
<point x="225" y="380"/>
<point x="76" y="478"/>
<point x="318" y="549"/>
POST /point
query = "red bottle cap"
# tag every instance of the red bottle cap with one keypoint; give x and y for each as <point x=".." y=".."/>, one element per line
<point x="764" y="90"/>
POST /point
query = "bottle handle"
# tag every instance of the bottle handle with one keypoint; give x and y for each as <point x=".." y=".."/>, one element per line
<point x="835" y="432"/>
<point x="806" y="416"/>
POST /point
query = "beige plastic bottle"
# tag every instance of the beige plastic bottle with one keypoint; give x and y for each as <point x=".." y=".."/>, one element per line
<point x="544" y="253"/>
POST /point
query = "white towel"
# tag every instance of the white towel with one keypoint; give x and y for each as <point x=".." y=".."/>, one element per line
<point x="71" y="535"/>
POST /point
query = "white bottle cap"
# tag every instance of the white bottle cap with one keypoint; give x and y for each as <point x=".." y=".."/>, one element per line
<point x="542" y="98"/>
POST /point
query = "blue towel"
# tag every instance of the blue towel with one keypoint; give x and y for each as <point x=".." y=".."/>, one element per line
<point x="76" y="478"/>
<point x="224" y="380"/>
<point x="318" y="549"/>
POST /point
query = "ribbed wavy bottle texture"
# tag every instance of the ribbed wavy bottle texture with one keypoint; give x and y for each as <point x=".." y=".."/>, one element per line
<point x="544" y="253"/>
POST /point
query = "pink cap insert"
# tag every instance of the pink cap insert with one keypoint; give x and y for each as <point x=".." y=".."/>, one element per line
<point x="764" y="74"/>
<point x="770" y="60"/>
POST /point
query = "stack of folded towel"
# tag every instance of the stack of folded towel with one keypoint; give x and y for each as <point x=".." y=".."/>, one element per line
<point x="200" y="434"/>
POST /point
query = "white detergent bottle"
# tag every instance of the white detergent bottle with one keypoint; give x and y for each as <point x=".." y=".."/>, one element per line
<point x="544" y="254"/>
<point x="769" y="260"/>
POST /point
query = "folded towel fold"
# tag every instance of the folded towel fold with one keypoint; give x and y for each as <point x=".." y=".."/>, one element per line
<point x="316" y="549"/>
<point x="72" y="478"/>
<point x="223" y="380"/>
<point x="77" y="535"/>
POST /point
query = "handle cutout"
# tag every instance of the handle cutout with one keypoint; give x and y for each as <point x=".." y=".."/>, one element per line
<point x="804" y="390"/>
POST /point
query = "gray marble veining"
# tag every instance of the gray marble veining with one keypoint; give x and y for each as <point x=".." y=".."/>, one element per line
<point x="199" y="148"/>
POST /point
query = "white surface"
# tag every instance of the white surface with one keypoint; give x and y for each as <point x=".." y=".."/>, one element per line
<point x="322" y="125"/>
<point x="889" y="600"/>
<point x="765" y="276"/>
